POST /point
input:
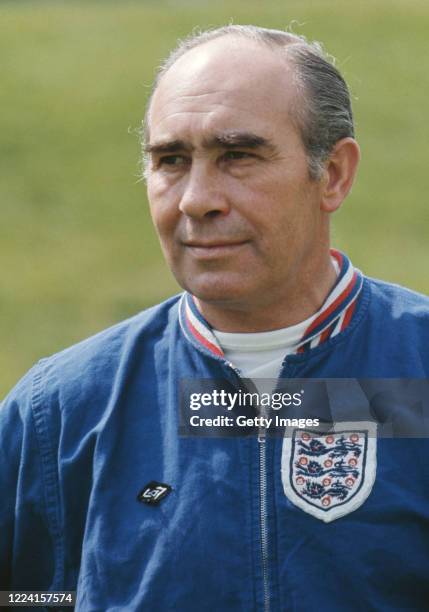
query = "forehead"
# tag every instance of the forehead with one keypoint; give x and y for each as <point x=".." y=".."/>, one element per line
<point x="226" y="84"/>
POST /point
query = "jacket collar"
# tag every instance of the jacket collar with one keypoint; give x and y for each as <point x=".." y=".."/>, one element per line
<point x="331" y="319"/>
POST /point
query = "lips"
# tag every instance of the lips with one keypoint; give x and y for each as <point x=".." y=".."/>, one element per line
<point x="214" y="248"/>
<point x="214" y="244"/>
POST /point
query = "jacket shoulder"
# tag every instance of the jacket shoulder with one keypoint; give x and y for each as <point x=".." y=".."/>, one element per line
<point x="399" y="302"/>
<point x="401" y="317"/>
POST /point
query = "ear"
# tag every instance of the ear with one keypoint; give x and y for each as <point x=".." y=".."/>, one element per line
<point x="340" y="172"/>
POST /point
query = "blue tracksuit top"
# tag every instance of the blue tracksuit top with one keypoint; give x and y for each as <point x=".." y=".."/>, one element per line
<point x="86" y="429"/>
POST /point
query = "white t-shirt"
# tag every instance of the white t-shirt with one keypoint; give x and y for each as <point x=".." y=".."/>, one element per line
<point x="260" y="355"/>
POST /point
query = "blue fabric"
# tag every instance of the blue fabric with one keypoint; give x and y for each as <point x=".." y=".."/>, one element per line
<point x="88" y="428"/>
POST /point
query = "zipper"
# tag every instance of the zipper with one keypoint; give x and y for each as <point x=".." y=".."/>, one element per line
<point x="263" y="498"/>
<point x="263" y="516"/>
<point x="263" y="523"/>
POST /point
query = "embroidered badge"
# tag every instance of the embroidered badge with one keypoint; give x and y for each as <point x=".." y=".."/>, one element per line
<point x="153" y="493"/>
<point x="329" y="474"/>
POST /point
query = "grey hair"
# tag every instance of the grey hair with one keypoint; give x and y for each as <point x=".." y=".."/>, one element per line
<point x="325" y="114"/>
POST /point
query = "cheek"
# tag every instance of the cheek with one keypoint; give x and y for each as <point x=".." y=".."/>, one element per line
<point x="163" y="208"/>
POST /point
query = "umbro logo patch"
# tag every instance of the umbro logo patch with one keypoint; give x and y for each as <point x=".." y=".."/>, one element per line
<point x="153" y="493"/>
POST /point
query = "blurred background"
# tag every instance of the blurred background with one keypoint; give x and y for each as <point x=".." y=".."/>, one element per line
<point x="77" y="252"/>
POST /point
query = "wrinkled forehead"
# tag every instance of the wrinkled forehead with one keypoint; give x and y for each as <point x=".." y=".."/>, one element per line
<point x="227" y="77"/>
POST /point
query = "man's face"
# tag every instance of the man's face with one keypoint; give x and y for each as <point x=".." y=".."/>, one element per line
<point x="228" y="184"/>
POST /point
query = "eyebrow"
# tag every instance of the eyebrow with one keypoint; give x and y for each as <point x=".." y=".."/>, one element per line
<point x="224" y="140"/>
<point x="169" y="146"/>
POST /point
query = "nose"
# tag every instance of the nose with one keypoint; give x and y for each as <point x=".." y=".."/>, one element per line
<point x="204" y="192"/>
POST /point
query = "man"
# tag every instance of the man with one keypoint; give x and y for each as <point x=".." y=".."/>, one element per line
<point x="249" y="149"/>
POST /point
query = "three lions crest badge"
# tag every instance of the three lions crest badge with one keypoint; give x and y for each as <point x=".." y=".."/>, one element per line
<point x="331" y="474"/>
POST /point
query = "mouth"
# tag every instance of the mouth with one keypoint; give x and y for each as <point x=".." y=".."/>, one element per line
<point x="213" y="249"/>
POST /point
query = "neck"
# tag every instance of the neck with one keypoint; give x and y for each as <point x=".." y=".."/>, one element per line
<point x="303" y="295"/>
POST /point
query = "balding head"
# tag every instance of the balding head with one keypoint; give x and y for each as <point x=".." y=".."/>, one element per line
<point x="322" y="109"/>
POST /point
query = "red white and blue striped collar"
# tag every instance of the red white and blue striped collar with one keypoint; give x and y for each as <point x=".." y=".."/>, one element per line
<point x="332" y="318"/>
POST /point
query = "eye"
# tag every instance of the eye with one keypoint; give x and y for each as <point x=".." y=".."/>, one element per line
<point x="237" y="155"/>
<point x="172" y="160"/>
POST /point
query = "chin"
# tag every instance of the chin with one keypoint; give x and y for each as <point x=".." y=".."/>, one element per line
<point x="217" y="288"/>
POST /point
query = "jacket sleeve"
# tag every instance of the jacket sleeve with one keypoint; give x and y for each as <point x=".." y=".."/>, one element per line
<point x="27" y="535"/>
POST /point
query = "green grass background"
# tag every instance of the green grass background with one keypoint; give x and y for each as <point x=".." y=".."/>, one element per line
<point x="76" y="250"/>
